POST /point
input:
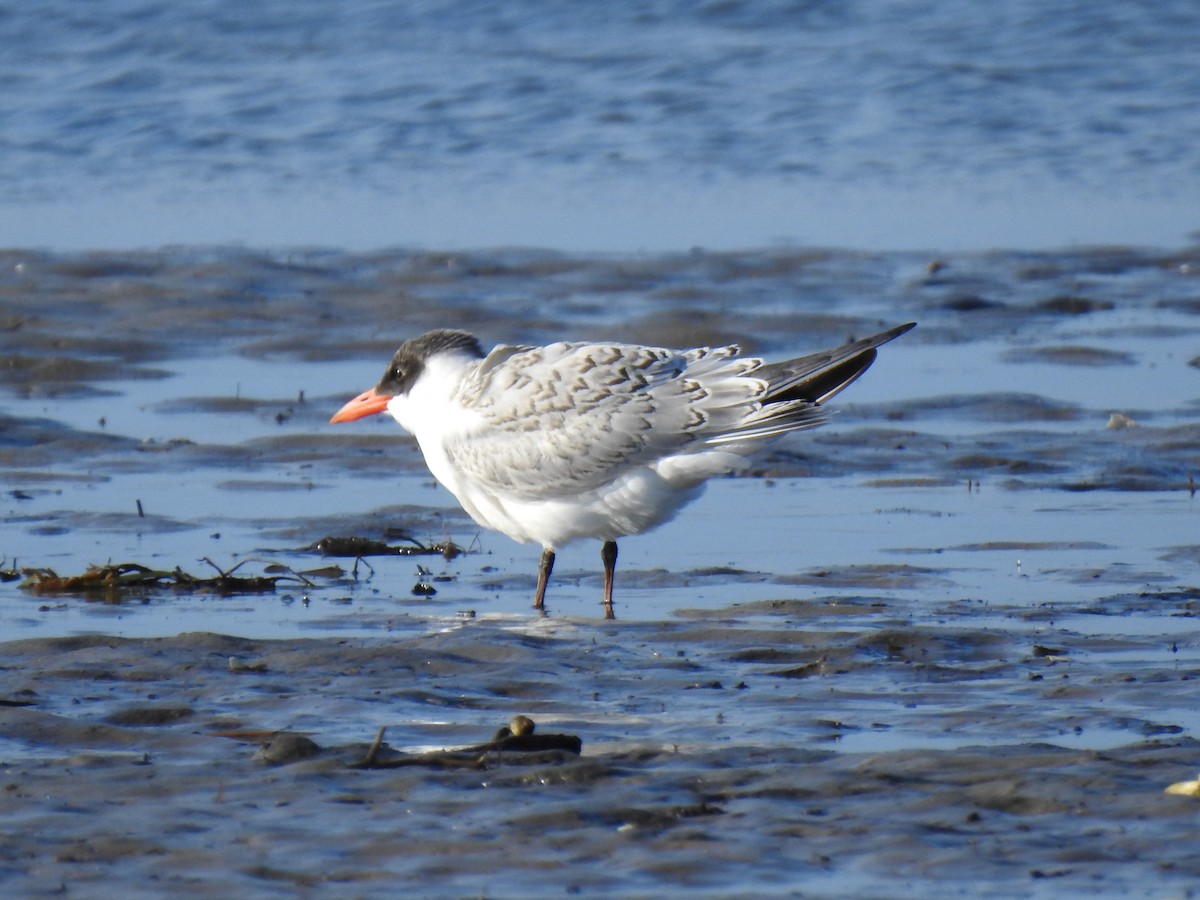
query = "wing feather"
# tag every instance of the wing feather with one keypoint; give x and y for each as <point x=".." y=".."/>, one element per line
<point x="568" y="418"/>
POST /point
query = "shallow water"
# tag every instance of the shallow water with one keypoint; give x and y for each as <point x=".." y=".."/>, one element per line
<point x="945" y="645"/>
<point x="658" y="125"/>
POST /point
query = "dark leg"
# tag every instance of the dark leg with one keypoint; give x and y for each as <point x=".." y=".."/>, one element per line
<point x="545" y="567"/>
<point x="608" y="555"/>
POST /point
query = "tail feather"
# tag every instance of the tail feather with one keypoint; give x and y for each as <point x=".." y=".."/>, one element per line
<point x="819" y="376"/>
<point x="778" y="418"/>
<point x="797" y="388"/>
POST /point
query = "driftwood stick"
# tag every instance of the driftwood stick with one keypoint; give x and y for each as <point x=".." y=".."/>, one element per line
<point x="369" y="759"/>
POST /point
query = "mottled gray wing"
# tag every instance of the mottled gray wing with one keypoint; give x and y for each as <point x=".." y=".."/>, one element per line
<point x="558" y="420"/>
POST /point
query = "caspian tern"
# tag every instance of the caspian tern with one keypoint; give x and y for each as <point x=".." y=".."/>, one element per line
<point x="595" y="440"/>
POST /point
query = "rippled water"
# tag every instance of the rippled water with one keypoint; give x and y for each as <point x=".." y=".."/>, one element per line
<point x="942" y="124"/>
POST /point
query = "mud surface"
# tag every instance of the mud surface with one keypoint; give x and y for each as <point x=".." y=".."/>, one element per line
<point x="944" y="646"/>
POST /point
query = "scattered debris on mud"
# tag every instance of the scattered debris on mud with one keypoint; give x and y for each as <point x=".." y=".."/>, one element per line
<point x="360" y="546"/>
<point x="114" y="582"/>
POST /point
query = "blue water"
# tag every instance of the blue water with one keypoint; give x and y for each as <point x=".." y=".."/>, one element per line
<point x="931" y="124"/>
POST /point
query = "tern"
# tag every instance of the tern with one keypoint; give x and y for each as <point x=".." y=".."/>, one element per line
<point x="595" y="440"/>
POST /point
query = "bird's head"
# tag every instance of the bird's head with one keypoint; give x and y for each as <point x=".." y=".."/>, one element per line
<point x="407" y="365"/>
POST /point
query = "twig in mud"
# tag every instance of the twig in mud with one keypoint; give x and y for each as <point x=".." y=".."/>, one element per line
<point x="223" y="572"/>
<point x="357" y="560"/>
<point x="227" y="575"/>
<point x="288" y="571"/>
<point x="373" y="751"/>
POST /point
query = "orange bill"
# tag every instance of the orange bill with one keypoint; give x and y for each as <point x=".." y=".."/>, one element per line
<point x="368" y="403"/>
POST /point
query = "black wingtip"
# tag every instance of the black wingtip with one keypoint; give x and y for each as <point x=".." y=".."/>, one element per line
<point x="819" y="376"/>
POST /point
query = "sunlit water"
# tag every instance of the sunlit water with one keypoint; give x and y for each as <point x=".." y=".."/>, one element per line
<point x="938" y="124"/>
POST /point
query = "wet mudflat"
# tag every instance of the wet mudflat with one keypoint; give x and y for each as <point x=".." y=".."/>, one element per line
<point x="812" y="747"/>
<point x="945" y="646"/>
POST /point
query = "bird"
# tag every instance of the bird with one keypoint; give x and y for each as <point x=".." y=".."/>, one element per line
<point x="584" y="440"/>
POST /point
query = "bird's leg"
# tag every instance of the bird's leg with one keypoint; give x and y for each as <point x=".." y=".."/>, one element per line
<point x="545" y="567"/>
<point x="608" y="556"/>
